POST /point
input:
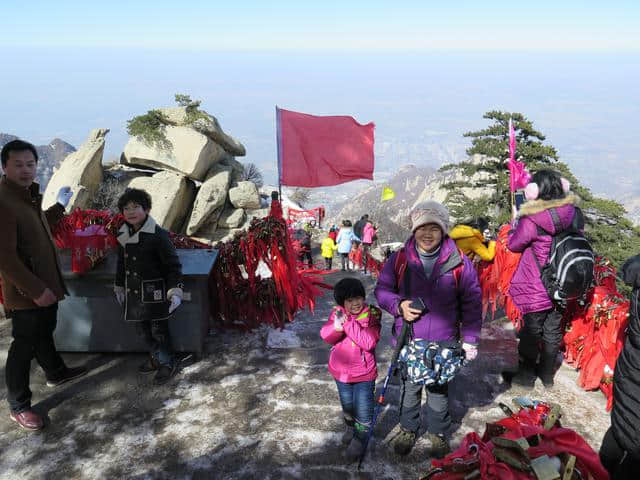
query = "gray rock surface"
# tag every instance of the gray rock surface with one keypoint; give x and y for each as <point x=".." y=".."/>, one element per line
<point x="80" y="170"/>
<point x="245" y="195"/>
<point x="192" y="154"/>
<point x="211" y="196"/>
<point x="171" y="196"/>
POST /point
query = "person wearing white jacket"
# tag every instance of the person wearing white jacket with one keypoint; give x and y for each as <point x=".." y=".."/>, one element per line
<point x="345" y="238"/>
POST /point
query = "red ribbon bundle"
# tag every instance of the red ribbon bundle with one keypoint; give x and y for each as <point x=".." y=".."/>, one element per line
<point x="527" y="423"/>
<point x="244" y="300"/>
<point x="594" y="337"/>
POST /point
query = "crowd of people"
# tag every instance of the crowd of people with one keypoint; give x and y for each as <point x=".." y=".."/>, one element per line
<point x="430" y="287"/>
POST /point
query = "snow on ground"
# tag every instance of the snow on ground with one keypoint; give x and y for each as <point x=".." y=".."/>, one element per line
<point x="256" y="406"/>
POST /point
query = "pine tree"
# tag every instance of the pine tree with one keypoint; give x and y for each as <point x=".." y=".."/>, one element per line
<point x="611" y="234"/>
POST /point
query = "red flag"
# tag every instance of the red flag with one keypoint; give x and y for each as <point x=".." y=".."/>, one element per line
<point x="519" y="177"/>
<point x="322" y="151"/>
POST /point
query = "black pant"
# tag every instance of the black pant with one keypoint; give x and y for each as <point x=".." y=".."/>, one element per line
<point x="306" y="255"/>
<point x="156" y="336"/>
<point x="328" y="262"/>
<point x="366" y="247"/>
<point x="438" y="418"/>
<point x="344" y="259"/>
<point x="540" y="329"/>
<point x="619" y="464"/>
<point x="32" y="332"/>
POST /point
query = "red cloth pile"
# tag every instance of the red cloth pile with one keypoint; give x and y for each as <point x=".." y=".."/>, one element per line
<point x="594" y="337"/>
<point x="90" y="234"/>
<point x="475" y="452"/>
<point x="244" y="300"/>
<point x="373" y="265"/>
<point x="495" y="279"/>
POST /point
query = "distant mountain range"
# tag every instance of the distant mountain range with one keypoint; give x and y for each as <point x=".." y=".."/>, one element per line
<point x="49" y="156"/>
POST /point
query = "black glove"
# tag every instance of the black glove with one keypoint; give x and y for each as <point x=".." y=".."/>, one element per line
<point x="631" y="272"/>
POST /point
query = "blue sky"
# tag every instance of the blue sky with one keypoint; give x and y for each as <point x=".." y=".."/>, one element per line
<point x="330" y="24"/>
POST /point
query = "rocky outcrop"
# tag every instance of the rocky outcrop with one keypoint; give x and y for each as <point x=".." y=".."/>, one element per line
<point x="211" y="196"/>
<point x="171" y="196"/>
<point x="191" y="153"/>
<point x="232" y="218"/>
<point x="245" y="195"/>
<point x="81" y="170"/>
<point x="206" y="124"/>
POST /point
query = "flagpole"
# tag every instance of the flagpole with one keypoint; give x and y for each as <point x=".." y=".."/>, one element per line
<point x="279" y="150"/>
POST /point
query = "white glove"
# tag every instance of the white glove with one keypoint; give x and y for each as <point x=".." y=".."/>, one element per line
<point x="175" y="303"/>
<point x="470" y="350"/>
<point x="119" y="292"/>
<point x="64" y="196"/>
<point x="338" y="320"/>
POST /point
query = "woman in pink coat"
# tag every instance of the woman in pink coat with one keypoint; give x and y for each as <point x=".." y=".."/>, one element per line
<point x="368" y="234"/>
<point x="353" y="330"/>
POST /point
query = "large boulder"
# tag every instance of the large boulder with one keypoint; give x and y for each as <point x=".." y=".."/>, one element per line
<point x="245" y="195"/>
<point x="171" y="196"/>
<point x="192" y="154"/>
<point x="210" y="197"/>
<point x="81" y="170"/>
<point x="206" y="124"/>
<point x="231" y="218"/>
<point x="237" y="169"/>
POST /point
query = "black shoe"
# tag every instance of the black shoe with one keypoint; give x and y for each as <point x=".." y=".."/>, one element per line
<point x="404" y="442"/>
<point x="150" y="365"/>
<point x="439" y="446"/>
<point x="525" y="376"/>
<point x="165" y="373"/>
<point x="66" y="375"/>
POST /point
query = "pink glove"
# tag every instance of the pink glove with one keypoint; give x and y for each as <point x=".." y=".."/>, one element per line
<point x="470" y="350"/>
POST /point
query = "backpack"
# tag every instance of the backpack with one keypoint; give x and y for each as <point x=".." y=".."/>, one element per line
<point x="568" y="273"/>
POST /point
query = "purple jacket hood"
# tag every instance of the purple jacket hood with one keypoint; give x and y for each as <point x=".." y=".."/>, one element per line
<point x="533" y="237"/>
<point x="453" y="312"/>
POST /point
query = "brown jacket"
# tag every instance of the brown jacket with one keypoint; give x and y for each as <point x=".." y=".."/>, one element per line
<point x="28" y="258"/>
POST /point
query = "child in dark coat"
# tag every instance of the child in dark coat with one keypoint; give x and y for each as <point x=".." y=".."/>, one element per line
<point x="148" y="281"/>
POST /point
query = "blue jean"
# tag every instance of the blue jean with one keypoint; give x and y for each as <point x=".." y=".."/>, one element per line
<point x="357" y="403"/>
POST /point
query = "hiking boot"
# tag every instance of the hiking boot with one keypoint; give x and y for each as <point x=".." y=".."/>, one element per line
<point x="349" y="432"/>
<point x="525" y="376"/>
<point x="439" y="445"/>
<point x="404" y="442"/>
<point x="65" y="375"/>
<point x="547" y="368"/>
<point x="150" y="365"/>
<point x="28" y="419"/>
<point x="354" y="450"/>
<point x="165" y="373"/>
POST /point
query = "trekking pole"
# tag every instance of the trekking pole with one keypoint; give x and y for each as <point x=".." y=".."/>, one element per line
<point x="391" y="372"/>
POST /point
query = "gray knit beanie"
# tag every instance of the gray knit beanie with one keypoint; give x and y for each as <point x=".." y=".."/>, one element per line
<point x="430" y="212"/>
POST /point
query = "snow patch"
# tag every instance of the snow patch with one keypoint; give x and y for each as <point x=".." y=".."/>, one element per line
<point x="283" y="339"/>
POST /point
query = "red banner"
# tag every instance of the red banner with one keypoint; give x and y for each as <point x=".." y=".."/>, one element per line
<point x="322" y="151"/>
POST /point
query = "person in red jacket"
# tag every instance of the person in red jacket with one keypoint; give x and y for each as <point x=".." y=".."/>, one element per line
<point x="353" y="328"/>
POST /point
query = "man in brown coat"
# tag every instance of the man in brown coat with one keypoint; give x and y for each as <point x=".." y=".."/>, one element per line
<point x="31" y="280"/>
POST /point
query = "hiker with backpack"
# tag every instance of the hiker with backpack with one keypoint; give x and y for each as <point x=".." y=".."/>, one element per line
<point x="556" y="266"/>
<point x="433" y="287"/>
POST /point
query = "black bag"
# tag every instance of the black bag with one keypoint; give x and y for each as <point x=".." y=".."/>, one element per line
<point x="568" y="273"/>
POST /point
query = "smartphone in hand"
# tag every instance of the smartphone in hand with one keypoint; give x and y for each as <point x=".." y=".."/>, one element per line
<point x="418" y="304"/>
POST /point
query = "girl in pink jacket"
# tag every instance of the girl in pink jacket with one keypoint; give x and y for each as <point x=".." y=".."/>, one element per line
<point x="353" y="330"/>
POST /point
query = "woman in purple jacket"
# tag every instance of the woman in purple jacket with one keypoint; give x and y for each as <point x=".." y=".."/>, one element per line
<point x="452" y="314"/>
<point x="541" y="333"/>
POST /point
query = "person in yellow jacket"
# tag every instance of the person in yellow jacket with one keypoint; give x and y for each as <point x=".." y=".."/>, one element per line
<point x="474" y="240"/>
<point x="328" y="248"/>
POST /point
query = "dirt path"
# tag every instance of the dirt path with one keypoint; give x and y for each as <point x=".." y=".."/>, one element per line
<point x="257" y="406"/>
